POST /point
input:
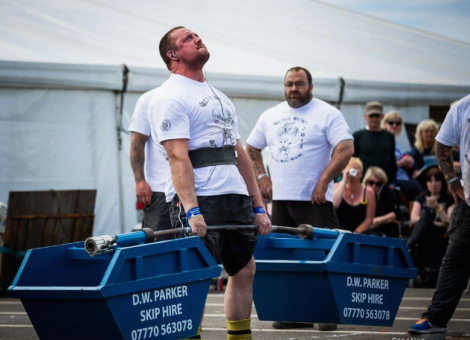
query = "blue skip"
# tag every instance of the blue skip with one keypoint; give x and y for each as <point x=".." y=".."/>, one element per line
<point x="146" y="291"/>
<point x="335" y="277"/>
<point x="127" y="287"/>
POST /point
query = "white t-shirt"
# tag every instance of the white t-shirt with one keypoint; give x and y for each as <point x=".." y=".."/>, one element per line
<point x="157" y="168"/>
<point x="187" y="109"/>
<point x="301" y="142"/>
<point x="456" y="131"/>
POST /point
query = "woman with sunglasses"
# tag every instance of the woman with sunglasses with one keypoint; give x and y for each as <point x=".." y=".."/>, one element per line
<point x="353" y="201"/>
<point x="386" y="210"/>
<point x="425" y="137"/>
<point x="393" y="123"/>
<point x="430" y="217"/>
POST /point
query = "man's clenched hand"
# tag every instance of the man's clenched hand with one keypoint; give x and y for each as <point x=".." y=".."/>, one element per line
<point x="143" y="191"/>
<point x="264" y="224"/>
<point x="198" y="226"/>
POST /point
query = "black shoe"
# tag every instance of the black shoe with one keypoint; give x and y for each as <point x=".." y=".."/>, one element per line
<point x="290" y="325"/>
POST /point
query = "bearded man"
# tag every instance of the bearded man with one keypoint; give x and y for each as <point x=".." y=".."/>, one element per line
<point x="310" y="144"/>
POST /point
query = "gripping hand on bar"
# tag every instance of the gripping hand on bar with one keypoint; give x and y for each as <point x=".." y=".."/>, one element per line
<point x="102" y="244"/>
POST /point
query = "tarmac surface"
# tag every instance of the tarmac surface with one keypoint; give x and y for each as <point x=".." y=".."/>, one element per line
<point x="15" y="324"/>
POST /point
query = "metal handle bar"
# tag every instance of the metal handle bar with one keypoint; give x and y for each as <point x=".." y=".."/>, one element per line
<point x="101" y="244"/>
<point x="303" y="232"/>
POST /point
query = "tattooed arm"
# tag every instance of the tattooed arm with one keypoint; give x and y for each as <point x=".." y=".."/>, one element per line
<point x="446" y="162"/>
<point x="265" y="185"/>
<point x="142" y="188"/>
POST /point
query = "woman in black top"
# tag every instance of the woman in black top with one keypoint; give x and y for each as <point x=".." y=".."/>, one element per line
<point x="386" y="211"/>
<point x="353" y="201"/>
<point x="430" y="216"/>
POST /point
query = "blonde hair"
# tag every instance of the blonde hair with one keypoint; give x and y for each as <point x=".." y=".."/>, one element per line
<point x="391" y="115"/>
<point x="425" y="125"/>
<point x="376" y="172"/>
<point x="356" y="161"/>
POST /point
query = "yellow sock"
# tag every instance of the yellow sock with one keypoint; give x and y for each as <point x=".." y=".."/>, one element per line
<point x="198" y="336"/>
<point x="239" y="330"/>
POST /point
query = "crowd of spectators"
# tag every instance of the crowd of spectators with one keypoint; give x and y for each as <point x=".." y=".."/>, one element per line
<point x="385" y="191"/>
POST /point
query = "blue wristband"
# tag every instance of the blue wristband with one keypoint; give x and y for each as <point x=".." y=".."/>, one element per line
<point x="259" y="210"/>
<point x="193" y="213"/>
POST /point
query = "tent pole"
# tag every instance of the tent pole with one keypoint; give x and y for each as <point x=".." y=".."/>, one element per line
<point x="120" y="130"/>
<point x="341" y="92"/>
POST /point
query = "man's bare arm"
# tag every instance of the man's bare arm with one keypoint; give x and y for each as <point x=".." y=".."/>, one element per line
<point x="446" y="162"/>
<point x="138" y="155"/>
<point x="244" y="166"/>
<point x="182" y="176"/>
<point x="256" y="160"/>
<point x="264" y="183"/>
<point x="182" y="173"/>
<point x="340" y="158"/>
<point x="245" y="169"/>
<point x="142" y="188"/>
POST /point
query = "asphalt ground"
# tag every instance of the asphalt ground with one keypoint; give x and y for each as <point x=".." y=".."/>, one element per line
<point x="15" y="324"/>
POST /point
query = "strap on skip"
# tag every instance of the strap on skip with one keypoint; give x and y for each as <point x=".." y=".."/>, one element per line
<point x="213" y="156"/>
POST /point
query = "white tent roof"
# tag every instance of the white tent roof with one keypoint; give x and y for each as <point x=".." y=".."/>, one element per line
<point x="245" y="37"/>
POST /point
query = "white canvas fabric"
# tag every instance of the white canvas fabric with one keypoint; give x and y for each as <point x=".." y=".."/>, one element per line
<point x="341" y="43"/>
<point x="157" y="168"/>
<point x="301" y="142"/>
<point x="183" y="108"/>
<point x="455" y="131"/>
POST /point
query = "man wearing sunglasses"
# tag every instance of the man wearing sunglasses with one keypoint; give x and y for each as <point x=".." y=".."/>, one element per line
<point x="374" y="146"/>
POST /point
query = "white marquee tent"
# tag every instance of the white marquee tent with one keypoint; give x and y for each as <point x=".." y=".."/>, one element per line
<point x="62" y="66"/>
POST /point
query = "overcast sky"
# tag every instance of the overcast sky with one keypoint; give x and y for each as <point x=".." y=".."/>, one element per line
<point x="449" y="18"/>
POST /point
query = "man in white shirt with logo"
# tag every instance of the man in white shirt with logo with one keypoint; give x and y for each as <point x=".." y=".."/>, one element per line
<point x="310" y="143"/>
<point x="455" y="269"/>
<point x="209" y="185"/>
<point x="151" y="169"/>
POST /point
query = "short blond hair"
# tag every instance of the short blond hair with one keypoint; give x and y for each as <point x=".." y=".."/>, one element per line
<point x="356" y="161"/>
<point x="424" y="125"/>
<point x="391" y="115"/>
<point x="376" y="172"/>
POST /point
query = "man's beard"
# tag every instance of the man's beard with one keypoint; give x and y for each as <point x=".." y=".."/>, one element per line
<point x="199" y="61"/>
<point x="298" y="101"/>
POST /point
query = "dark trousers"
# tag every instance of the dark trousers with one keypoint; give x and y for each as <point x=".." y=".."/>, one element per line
<point x="295" y="213"/>
<point x="157" y="215"/>
<point x="425" y="232"/>
<point x="455" y="269"/>
<point x="234" y="249"/>
<point x="428" y="246"/>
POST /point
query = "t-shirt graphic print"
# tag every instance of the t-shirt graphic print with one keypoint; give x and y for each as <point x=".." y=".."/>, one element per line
<point x="223" y="114"/>
<point x="291" y="134"/>
<point x="196" y="111"/>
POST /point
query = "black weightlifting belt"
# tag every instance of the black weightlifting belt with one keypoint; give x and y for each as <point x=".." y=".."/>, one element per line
<point x="203" y="157"/>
